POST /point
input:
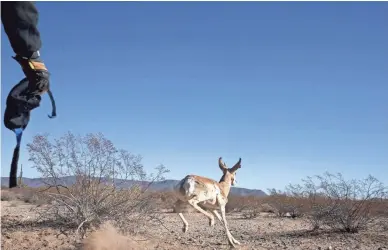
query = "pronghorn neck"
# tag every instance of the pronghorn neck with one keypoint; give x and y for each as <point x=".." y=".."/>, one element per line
<point x="226" y="183"/>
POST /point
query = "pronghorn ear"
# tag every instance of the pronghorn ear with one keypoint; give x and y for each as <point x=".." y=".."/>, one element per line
<point x="221" y="164"/>
<point x="236" y="166"/>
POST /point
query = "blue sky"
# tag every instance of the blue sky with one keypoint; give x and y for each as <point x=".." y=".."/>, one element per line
<point x="294" y="89"/>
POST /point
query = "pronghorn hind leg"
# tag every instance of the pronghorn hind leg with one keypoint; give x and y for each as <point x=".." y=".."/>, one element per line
<point x="185" y="224"/>
<point x="215" y="212"/>
<point x="194" y="202"/>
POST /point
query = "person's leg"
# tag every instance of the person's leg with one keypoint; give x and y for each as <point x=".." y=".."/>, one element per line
<point x="20" y="20"/>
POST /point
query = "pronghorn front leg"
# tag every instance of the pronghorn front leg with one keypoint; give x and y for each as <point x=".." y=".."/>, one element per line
<point x="232" y="241"/>
<point x="220" y="219"/>
<point x="194" y="203"/>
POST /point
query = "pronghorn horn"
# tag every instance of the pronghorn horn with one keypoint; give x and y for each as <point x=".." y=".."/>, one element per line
<point x="236" y="166"/>
<point x="221" y="164"/>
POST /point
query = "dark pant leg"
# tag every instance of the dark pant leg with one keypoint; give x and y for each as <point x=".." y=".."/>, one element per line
<point x="20" y="20"/>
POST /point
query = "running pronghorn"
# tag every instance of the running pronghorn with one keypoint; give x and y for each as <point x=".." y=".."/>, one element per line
<point x="207" y="195"/>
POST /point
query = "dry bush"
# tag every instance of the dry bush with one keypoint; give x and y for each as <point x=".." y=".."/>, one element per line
<point x="90" y="181"/>
<point x="184" y="207"/>
<point x="250" y="213"/>
<point x="7" y="195"/>
<point x="340" y="204"/>
<point x="379" y="208"/>
<point x="25" y="194"/>
<point x="248" y="206"/>
<point x="165" y="200"/>
<point x="286" y="205"/>
<point x="235" y="203"/>
<point x="266" y="208"/>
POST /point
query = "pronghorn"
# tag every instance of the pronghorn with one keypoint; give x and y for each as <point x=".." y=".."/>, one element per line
<point x="207" y="195"/>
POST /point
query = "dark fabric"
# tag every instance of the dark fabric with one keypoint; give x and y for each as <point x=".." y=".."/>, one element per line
<point x="20" y="20"/>
<point x="19" y="105"/>
<point x="14" y="168"/>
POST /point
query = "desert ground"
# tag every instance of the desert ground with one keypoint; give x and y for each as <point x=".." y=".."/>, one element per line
<point x="21" y="230"/>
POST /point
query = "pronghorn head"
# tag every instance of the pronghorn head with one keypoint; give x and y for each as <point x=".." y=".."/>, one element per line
<point x="229" y="173"/>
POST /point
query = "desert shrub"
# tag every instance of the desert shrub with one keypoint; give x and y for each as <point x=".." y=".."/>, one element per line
<point x="184" y="207"/>
<point x="238" y="204"/>
<point x="89" y="181"/>
<point x="251" y="213"/>
<point x="266" y="208"/>
<point x="7" y="195"/>
<point x="338" y="203"/>
<point x="250" y="207"/>
<point x="166" y="200"/>
<point x="285" y="204"/>
<point x="25" y="194"/>
<point x="234" y="204"/>
<point x="32" y="198"/>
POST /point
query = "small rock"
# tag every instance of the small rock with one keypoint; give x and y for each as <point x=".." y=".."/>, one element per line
<point x="45" y="243"/>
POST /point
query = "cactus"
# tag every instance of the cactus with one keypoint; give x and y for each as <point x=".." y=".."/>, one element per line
<point x="20" y="181"/>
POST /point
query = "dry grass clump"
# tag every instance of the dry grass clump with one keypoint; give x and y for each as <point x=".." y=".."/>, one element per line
<point x="25" y="194"/>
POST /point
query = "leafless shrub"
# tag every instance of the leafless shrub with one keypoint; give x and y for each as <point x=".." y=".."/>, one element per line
<point x="90" y="182"/>
<point x="248" y="206"/>
<point x="165" y="200"/>
<point x="250" y="213"/>
<point x="25" y="194"/>
<point x="266" y="208"/>
<point x="7" y="195"/>
<point x="285" y="204"/>
<point x="239" y="204"/>
<point x="338" y="203"/>
<point x="235" y="204"/>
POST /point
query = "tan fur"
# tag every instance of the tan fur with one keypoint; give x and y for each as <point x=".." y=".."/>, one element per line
<point x="207" y="196"/>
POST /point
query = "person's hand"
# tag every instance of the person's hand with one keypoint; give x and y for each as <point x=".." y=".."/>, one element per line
<point x="36" y="73"/>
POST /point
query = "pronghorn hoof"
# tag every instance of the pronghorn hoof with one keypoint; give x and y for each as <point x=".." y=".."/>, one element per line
<point x="232" y="245"/>
<point x="184" y="229"/>
<point x="211" y="223"/>
<point x="237" y="242"/>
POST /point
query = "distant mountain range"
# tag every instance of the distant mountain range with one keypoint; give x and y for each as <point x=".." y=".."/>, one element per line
<point x="166" y="185"/>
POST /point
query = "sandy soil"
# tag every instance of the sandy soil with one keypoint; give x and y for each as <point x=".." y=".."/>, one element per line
<point x="20" y="231"/>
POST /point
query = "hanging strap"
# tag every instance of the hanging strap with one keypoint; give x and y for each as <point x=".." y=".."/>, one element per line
<point x="15" y="158"/>
<point x="54" y="110"/>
